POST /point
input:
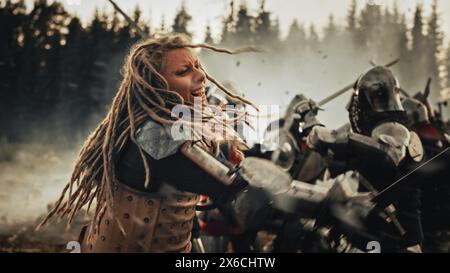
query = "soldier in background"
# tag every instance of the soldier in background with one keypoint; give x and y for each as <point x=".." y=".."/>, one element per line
<point x="436" y="191"/>
<point x="382" y="149"/>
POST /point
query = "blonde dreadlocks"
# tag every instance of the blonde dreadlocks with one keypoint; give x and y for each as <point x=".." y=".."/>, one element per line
<point x="143" y="94"/>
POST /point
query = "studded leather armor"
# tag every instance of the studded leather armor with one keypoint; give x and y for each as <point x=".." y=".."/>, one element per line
<point x="151" y="222"/>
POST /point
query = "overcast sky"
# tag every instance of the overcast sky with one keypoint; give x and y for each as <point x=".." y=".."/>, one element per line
<point x="204" y="11"/>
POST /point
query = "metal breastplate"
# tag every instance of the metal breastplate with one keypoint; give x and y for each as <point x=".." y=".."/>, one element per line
<point x="151" y="222"/>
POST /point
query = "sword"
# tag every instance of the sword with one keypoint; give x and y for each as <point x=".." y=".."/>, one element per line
<point x="343" y="90"/>
<point x="348" y="87"/>
<point x="199" y="245"/>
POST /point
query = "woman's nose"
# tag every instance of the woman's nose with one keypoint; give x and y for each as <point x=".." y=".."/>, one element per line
<point x="199" y="76"/>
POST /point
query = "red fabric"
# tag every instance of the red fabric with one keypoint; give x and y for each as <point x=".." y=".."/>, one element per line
<point x="303" y="146"/>
<point x="235" y="157"/>
<point x="218" y="228"/>
<point x="429" y="132"/>
<point x="203" y="199"/>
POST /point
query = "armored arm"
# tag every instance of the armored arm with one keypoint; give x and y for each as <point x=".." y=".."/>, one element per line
<point x="264" y="188"/>
<point x="387" y="144"/>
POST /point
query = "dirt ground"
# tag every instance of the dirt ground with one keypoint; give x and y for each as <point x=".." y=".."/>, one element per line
<point x="22" y="237"/>
<point x="31" y="179"/>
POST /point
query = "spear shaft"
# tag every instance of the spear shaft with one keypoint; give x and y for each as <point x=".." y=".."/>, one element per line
<point x="130" y="21"/>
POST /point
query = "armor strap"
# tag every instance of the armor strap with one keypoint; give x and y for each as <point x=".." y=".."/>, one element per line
<point x="208" y="163"/>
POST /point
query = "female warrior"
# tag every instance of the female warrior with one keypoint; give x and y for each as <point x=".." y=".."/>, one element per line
<point x="143" y="181"/>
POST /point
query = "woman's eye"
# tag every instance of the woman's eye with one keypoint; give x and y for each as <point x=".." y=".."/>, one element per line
<point x="182" y="72"/>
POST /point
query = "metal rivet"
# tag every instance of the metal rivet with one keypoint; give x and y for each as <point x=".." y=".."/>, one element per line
<point x="150" y="202"/>
<point x="103" y="238"/>
<point x="129" y="198"/>
<point x="146" y="220"/>
<point x="126" y="215"/>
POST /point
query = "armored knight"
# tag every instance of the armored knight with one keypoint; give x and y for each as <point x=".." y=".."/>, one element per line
<point x="382" y="149"/>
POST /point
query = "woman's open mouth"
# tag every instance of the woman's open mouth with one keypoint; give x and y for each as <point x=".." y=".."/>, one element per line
<point x="199" y="92"/>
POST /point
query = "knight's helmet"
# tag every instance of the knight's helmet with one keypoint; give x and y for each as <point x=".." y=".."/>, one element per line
<point x="376" y="98"/>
